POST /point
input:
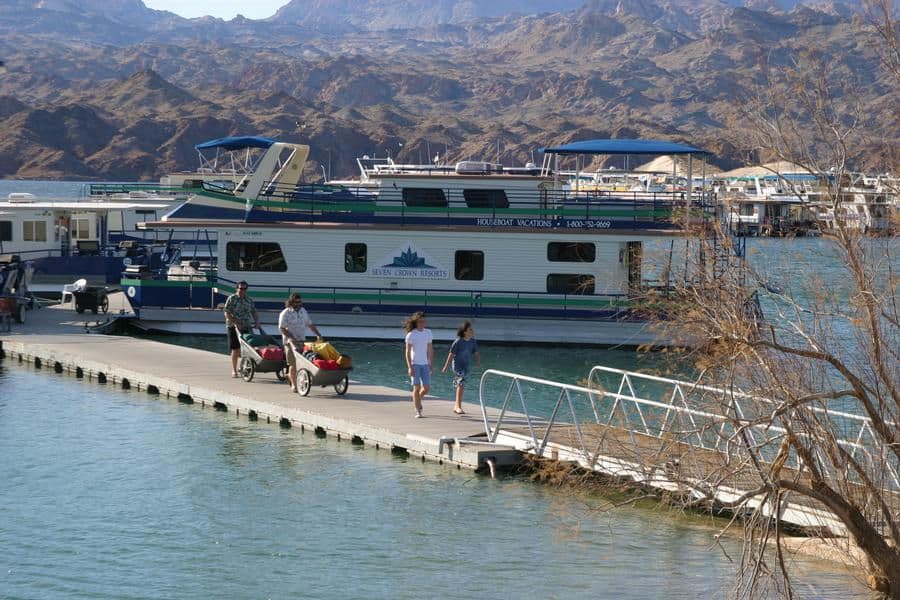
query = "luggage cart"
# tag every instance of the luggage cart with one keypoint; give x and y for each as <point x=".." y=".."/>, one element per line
<point x="91" y="298"/>
<point x="12" y="308"/>
<point x="8" y="308"/>
<point x="308" y="375"/>
<point x="252" y="362"/>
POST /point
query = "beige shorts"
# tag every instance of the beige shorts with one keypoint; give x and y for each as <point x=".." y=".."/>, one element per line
<point x="289" y="355"/>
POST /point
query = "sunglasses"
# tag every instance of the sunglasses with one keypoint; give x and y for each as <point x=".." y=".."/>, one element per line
<point x="242" y="288"/>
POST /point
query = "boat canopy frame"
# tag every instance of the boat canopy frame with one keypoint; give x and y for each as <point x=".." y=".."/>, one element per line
<point x="229" y="150"/>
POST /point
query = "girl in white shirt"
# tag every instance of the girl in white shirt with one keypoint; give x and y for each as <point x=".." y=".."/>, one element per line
<point x="419" y="354"/>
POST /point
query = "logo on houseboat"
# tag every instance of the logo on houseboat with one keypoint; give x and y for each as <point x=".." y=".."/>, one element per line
<point x="409" y="262"/>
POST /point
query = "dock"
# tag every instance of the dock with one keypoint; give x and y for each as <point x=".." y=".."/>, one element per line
<point x="56" y="339"/>
<point x="655" y="441"/>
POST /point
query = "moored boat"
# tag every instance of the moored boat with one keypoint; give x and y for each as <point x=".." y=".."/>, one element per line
<point x="92" y="238"/>
<point x="514" y="249"/>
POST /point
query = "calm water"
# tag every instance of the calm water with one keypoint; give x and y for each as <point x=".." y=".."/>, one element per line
<point x="114" y="494"/>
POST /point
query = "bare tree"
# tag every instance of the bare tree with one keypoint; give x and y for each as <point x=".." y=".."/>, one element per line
<point x="821" y="372"/>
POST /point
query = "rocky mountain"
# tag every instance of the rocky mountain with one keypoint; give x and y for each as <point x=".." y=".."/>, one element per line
<point x="113" y="90"/>
<point x="345" y="15"/>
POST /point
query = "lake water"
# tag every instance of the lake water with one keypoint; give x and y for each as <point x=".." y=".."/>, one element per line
<point x="114" y="494"/>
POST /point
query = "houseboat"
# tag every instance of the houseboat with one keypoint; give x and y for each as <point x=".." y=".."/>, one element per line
<point x="868" y="204"/>
<point x="515" y="250"/>
<point x="769" y="204"/>
<point x="91" y="238"/>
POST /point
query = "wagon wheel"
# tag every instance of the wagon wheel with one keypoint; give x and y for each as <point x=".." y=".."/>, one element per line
<point x="304" y="382"/>
<point x="281" y="374"/>
<point x="20" y="313"/>
<point x="341" y="386"/>
<point x="246" y="368"/>
<point x="104" y="305"/>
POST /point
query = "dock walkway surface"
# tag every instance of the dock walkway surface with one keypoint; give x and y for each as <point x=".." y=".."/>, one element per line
<point x="55" y="339"/>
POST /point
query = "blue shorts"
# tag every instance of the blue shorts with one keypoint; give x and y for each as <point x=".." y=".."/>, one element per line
<point x="421" y="375"/>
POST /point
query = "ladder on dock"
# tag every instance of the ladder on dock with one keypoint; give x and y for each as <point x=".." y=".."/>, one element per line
<point x="700" y="442"/>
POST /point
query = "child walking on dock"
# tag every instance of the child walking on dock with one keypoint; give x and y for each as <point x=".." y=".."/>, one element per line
<point x="419" y="353"/>
<point x="463" y="348"/>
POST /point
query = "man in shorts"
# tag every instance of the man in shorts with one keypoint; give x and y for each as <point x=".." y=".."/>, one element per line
<point x="293" y="323"/>
<point x="240" y="313"/>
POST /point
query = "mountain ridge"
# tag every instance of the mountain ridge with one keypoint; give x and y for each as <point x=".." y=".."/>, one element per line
<point x="655" y="68"/>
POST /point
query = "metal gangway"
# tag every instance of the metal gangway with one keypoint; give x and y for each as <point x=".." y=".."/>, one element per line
<point x="700" y="442"/>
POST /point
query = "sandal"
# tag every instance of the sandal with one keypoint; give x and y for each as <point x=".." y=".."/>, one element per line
<point x="459" y="412"/>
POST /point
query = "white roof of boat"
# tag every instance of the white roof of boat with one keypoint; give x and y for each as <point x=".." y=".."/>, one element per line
<point x="81" y="205"/>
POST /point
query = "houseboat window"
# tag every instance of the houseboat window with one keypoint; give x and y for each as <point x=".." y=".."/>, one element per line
<point x="253" y="256"/>
<point x="486" y="198"/>
<point x="571" y="252"/>
<point x="564" y="283"/>
<point x="355" y="258"/>
<point x="5" y="231"/>
<point x="469" y="265"/>
<point x="424" y="197"/>
<point x="81" y="229"/>
<point x="747" y="210"/>
<point x="34" y="231"/>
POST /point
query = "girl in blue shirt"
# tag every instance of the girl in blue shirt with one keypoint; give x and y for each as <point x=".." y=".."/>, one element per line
<point x="463" y="348"/>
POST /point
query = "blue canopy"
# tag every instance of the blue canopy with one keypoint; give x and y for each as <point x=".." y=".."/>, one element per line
<point x="622" y="147"/>
<point x="236" y="143"/>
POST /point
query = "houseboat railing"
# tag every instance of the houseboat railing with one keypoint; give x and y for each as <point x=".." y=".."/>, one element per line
<point x="110" y="189"/>
<point x="317" y="201"/>
<point x="325" y="296"/>
<point x="676" y="413"/>
<point x="538" y="208"/>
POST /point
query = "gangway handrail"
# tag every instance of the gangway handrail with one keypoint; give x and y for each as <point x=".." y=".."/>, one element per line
<point x="722" y="391"/>
<point x="765" y="423"/>
<point x="657" y="418"/>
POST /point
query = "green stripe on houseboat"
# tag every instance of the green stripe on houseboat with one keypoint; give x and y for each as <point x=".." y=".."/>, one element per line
<point x="389" y="297"/>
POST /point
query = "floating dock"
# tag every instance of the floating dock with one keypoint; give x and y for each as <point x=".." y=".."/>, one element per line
<point x="55" y="339"/>
<point x="654" y="442"/>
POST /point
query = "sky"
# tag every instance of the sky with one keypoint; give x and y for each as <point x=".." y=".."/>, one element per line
<point x="225" y="9"/>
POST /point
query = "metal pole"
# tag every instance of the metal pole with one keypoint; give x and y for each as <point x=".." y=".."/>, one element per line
<point x="690" y="185"/>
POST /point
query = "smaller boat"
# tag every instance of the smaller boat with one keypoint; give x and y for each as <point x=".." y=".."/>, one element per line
<point x="95" y="239"/>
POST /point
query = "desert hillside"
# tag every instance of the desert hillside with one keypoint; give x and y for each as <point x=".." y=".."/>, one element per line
<point x="113" y="90"/>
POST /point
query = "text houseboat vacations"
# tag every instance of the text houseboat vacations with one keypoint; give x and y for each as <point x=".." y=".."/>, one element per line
<point x="521" y="251"/>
